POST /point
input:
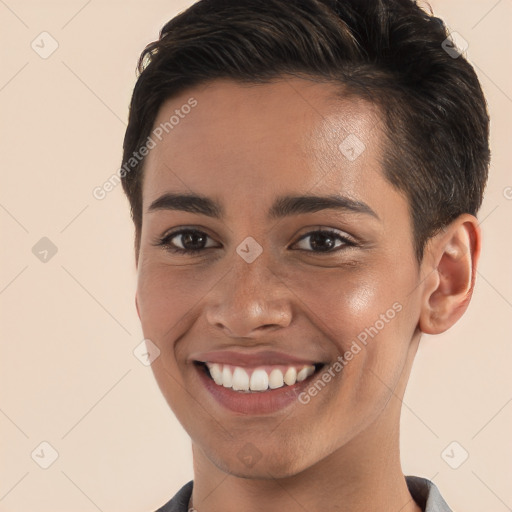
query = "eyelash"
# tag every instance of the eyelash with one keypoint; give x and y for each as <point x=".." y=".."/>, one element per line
<point x="165" y="241"/>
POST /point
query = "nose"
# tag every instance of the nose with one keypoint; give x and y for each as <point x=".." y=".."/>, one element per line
<point x="249" y="301"/>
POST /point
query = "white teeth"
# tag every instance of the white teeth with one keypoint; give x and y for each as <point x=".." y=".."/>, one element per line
<point x="227" y="380"/>
<point x="290" y="377"/>
<point x="259" y="380"/>
<point x="216" y="373"/>
<point x="240" y="380"/>
<point x="275" y="379"/>
<point x="305" y="373"/>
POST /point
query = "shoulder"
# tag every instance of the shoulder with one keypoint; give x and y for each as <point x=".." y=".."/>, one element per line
<point x="426" y="495"/>
<point x="179" y="502"/>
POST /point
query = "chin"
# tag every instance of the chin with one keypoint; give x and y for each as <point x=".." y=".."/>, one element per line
<point x="262" y="467"/>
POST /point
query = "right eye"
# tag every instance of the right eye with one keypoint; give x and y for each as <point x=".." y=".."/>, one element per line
<point x="192" y="241"/>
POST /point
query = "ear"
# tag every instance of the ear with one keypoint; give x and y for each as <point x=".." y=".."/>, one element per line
<point x="450" y="264"/>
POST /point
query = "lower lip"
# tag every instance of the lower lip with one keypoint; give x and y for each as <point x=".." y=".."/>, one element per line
<point x="259" y="402"/>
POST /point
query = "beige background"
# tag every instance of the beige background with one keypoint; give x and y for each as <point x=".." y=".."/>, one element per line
<point x="68" y="375"/>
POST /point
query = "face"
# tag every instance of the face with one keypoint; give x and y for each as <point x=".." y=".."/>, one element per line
<point x="279" y="278"/>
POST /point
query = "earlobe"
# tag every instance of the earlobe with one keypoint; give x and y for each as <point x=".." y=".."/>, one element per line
<point x="454" y="255"/>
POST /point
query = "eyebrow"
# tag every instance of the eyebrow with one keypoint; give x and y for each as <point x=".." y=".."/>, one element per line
<point x="283" y="206"/>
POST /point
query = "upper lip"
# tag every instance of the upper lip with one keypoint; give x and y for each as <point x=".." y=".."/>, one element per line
<point x="264" y="357"/>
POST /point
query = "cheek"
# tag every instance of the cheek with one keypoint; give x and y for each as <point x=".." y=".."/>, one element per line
<point x="169" y="298"/>
<point x="342" y="302"/>
<point x="367" y="316"/>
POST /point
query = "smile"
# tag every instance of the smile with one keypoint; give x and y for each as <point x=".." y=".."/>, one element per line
<point x="248" y="382"/>
<point x="258" y="379"/>
<point x="264" y="389"/>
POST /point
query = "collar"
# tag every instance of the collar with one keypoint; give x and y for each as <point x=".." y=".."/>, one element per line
<point x="424" y="492"/>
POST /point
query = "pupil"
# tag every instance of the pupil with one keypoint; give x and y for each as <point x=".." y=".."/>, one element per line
<point x="322" y="236"/>
<point x="187" y="237"/>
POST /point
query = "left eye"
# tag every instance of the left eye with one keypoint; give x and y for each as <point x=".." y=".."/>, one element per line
<point x="325" y="240"/>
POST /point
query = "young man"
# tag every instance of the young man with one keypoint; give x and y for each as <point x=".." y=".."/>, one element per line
<point x="304" y="178"/>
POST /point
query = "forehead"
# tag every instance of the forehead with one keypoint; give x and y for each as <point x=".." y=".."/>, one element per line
<point x="246" y="139"/>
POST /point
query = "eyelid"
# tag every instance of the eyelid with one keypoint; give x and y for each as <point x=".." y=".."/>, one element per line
<point x="325" y="229"/>
<point x="178" y="229"/>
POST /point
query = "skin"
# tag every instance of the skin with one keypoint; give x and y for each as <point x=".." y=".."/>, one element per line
<point x="244" y="146"/>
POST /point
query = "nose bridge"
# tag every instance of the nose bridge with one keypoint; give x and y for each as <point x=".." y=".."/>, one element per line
<point x="252" y="282"/>
<point x="249" y="297"/>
